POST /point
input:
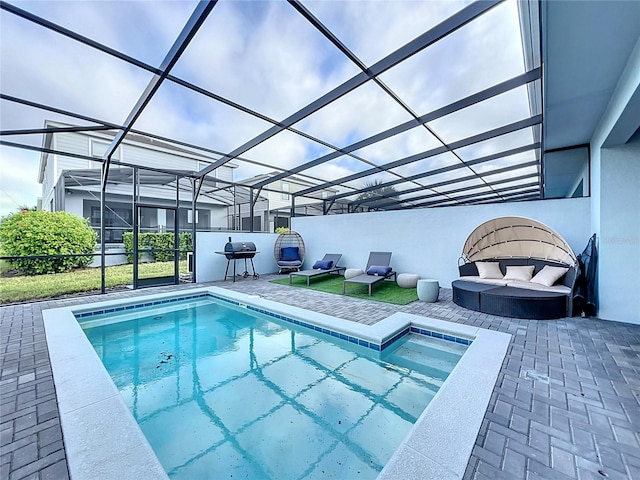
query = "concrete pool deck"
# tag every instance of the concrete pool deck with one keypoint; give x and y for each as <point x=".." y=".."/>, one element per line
<point x="565" y="405"/>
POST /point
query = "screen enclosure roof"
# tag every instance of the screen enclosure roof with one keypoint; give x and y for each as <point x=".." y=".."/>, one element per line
<point x="386" y="105"/>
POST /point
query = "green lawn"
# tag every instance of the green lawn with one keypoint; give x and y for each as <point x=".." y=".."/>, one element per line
<point x="17" y="289"/>
<point x="385" y="291"/>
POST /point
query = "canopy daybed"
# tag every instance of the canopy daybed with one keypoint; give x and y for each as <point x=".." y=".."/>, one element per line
<point x="516" y="267"/>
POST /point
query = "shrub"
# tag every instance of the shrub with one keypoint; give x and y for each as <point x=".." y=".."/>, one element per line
<point x="46" y="233"/>
<point x="157" y="241"/>
<point x="282" y="230"/>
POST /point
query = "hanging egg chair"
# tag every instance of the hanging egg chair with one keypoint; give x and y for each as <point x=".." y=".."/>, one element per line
<point x="289" y="251"/>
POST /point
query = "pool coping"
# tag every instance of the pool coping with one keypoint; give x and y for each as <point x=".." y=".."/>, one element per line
<point x="102" y="439"/>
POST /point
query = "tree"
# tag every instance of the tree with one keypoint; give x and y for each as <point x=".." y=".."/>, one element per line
<point x="27" y="208"/>
<point x="30" y="232"/>
<point x="375" y="190"/>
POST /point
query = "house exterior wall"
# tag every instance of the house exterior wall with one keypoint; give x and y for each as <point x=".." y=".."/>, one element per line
<point x="74" y="203"/>
<point x="619" y="245"/>
<point x="135" y="154"/>
<point x="94" y="144"/>
<point x="616" y="201"/>
<point x="276" y="202"/>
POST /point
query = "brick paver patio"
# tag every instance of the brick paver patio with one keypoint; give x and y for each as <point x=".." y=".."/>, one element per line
<point x="566" y="404"/>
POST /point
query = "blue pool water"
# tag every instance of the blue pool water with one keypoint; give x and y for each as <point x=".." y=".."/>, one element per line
<point x="224" y="392"/>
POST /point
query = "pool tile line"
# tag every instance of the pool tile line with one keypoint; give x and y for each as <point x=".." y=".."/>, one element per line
<point x="349" y="338"/>
<point x="358" y="341"/>
<point x="139" y="305"/>
<point x="342" y="336"/>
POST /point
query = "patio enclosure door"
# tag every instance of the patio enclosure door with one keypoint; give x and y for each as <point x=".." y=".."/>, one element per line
<point x="157" y="256"/>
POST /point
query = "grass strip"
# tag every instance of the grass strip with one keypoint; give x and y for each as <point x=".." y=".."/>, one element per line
<point x="22" y="288"/>
<point x="385" y="291"/>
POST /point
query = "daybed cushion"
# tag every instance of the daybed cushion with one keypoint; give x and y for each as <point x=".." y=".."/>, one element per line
<point x="518" y="284"/>
<point x="523" y="273"/>
<point x="379" y="270"/>
<point x="541" y="288"/>
<point x="489" y="269"/>
<point x="488" y="281"/>
<point x="323" y="264"/>
<point x="289" y="254"/>
<point x="549" y="275"/>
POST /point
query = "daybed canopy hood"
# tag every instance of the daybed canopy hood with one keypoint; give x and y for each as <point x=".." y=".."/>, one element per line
<point x="516" y="237"/>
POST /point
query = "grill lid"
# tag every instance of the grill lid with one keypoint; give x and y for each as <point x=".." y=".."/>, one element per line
<point x="239" y="249"/>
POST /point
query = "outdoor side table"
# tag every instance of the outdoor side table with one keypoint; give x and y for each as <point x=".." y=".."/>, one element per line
<point x="428" y="290"/>
<point x="407" y="280"/>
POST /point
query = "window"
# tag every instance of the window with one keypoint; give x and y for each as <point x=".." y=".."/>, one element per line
<point x="117" y="220"/>
<point x="185" y="218"/>
<point x="190" y="216"/>
<point x="285" y="190"/>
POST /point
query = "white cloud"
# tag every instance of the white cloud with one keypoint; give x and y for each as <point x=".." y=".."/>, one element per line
<point x="374" y="29"/>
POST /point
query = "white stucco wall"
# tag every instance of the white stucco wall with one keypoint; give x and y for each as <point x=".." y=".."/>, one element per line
<point x="429" y="241"/>
<point x="615" y="175"/>
<point x="619" y="245"/>
<point x="73" y="203"/>
<point x="210" y="266"/>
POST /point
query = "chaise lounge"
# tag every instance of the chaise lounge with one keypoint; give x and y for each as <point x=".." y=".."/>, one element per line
<point x="328" y="265"/>
<point x="378" y="269"/>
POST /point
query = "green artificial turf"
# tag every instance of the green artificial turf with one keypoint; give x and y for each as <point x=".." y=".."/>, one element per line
<point x="385" y="291"/>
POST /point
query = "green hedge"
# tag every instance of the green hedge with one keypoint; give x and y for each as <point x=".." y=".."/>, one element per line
<point x="31" y="232"/>
<point x="157" y="241"/>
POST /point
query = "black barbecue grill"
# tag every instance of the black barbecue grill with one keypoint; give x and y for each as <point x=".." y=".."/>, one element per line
<point x="239" y="251"/>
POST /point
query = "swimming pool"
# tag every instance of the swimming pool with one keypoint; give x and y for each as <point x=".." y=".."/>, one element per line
<point x="101" y="435"/>
<point x="222" y="391"/>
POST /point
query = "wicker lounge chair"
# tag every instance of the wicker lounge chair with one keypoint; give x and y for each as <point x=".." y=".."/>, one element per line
<point x="334" y="258"/>
<point x="376" y="259"/>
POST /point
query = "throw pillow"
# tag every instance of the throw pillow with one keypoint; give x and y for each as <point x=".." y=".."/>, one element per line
<point x="523" y="273"/>
<point x="489" y="269"/>
<point x="323" y="265"/>
<point x="379" y="270"/>
<point x="289" y="254"/>
<point x="549" y="275"/>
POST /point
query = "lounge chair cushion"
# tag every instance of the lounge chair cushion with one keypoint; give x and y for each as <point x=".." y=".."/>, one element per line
<point x="290" y="254"/>
<point x="489" y="270"/>
<point x="379" y="270"/>
<point x="522" y="273"/>
<point x="323" y="264"/>
<point x="289" y="263"/>
<point x="549" y="275"/>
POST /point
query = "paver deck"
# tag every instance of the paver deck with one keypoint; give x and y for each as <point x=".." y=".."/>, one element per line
<point x="566" y="404"/>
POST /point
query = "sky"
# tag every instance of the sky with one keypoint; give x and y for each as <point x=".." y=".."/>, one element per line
<point x="266" y="57"/>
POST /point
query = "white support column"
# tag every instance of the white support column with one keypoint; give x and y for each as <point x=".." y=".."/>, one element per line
<point x="615" y="176"/>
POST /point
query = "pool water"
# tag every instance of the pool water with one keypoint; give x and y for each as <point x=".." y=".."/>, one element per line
<point x="224" y="392"/>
